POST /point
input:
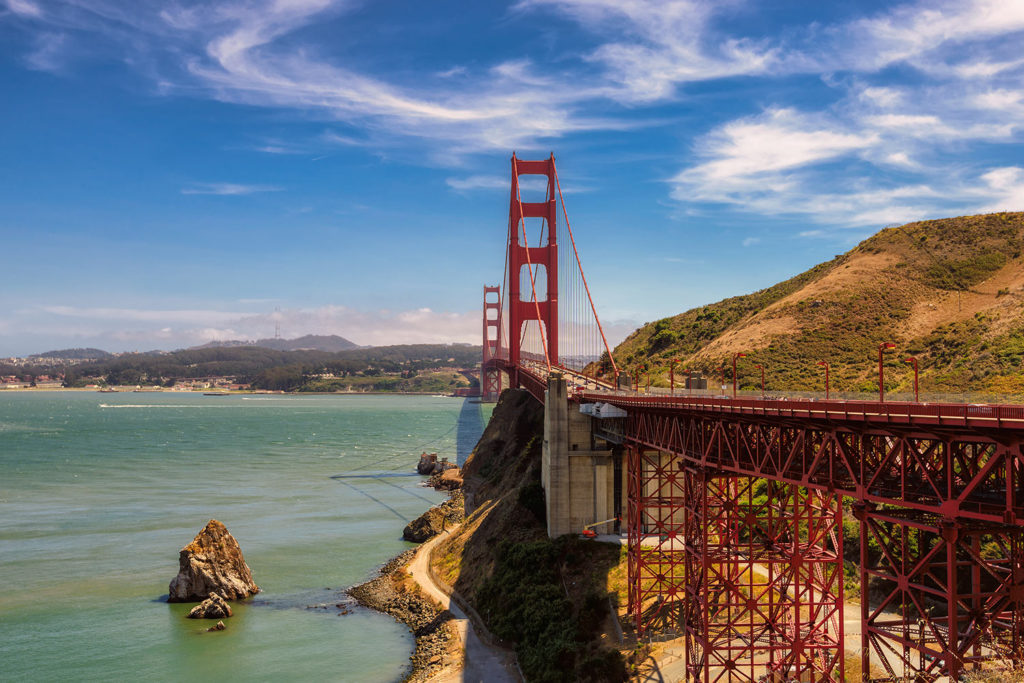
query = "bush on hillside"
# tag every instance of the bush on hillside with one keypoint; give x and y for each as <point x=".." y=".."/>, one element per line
<point x="525" y="601"/>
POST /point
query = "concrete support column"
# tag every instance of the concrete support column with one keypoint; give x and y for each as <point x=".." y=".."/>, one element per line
<point x="555" y="457"/>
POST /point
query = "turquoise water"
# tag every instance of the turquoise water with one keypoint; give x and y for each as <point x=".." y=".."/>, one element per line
<point x="99" y="492"/>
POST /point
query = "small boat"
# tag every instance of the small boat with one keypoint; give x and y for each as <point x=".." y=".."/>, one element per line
<point x="108" y="391"/>
<point x="216" y="393"/>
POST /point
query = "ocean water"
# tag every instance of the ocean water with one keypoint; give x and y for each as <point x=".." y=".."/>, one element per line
<point x="99" y="492"/>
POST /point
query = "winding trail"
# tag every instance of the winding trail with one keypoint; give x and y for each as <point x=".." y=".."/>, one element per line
<point x="481" y="662"/>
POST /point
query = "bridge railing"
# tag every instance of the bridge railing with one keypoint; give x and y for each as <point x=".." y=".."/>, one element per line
<point x="980" y="414"/>
<point x="867" y="396"/>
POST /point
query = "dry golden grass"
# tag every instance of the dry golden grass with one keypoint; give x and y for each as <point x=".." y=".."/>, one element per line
<point x="950" y="292"/>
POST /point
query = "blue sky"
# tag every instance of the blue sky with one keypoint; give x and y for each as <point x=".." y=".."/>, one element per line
<point x="176" y="172"/>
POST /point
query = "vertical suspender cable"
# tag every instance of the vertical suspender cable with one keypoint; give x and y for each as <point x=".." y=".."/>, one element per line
<point x="582" y="275"/>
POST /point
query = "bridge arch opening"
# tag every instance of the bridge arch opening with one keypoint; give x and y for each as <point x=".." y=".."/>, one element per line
<point x="539" y="282"/>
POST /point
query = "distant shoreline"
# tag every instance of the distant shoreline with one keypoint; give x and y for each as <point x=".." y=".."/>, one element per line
<point x="200" y="392"/>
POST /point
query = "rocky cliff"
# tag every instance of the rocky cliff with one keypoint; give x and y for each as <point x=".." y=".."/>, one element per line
<point x="212" y="563"/>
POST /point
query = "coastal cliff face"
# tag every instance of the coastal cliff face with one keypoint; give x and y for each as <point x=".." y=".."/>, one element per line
<point x="547" y="597"/>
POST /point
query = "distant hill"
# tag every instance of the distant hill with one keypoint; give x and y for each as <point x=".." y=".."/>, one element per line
<point x="311" y="342"/>
<point x="949" y="292"/>
<point x="74" y="354"/>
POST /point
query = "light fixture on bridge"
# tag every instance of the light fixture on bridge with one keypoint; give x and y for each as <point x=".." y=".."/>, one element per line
<point x="882" y="348"/>
<point x="913" y="361"/>
<point x="821" y="362"/>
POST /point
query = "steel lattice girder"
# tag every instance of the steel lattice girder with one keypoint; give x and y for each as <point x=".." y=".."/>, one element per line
<point x="971" y="483"/>
<point x="974" y="475"/>
<point x="947" y="594"/>
<point x="763" y="580"/>
<point x="655" y="530"/>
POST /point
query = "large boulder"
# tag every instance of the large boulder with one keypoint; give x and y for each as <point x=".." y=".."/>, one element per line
<point x="213" y="607"/>
<point x="212" y="563"/>
<point x="435" y="520"/>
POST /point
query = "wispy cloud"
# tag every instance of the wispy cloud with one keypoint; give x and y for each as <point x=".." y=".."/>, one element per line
<point x="228" y="189"/>
<point x="641" y="53"/>
<point x="48" y="52"/>
<point x="1004" y="188"/>
<point x="25" y="8"/>
<point x="478" y="182"/>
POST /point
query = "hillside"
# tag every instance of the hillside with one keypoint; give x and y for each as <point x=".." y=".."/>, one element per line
<point x="71" y="354"/>
<point x="949" y="292"/>
<point x="408" y="367"/>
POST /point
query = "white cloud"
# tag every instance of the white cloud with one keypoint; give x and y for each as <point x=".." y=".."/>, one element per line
<point x="985" y="68"/>
<point x="664" y="43"/>
<point x="1005" y="187"/>
<point x="25" y="8"/>
<point x="48" y="52"/>
<point x="228" y="189"/>
<point x="966" y="54"/>
<point x="882" y="96"/>
<point x="750" y="241"/>
<point x="479" y="182"/>
<point x="751" y="154"/>
<point x="915" y="30"/>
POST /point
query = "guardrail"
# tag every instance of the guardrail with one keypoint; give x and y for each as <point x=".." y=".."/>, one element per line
<point x="953" y="414"/>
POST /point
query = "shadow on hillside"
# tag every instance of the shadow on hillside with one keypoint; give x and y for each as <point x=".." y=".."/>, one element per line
<point x="470" y="429"/>
<point x="546" y="598"/>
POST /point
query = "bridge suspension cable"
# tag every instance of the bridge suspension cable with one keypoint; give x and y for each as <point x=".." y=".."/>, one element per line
<point x="583" y="277"/>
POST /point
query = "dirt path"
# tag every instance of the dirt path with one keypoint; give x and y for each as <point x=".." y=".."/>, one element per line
<point x="481" y="663"/>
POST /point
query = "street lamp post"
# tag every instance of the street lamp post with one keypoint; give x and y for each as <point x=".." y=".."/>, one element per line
<point x="734" y="357"/>
<point x="882" y="348"/>
<point x="672" y="376"/>
<point x="913" y="361"/>
<point x="821" y="362"/>
<point x="761" y="368"/>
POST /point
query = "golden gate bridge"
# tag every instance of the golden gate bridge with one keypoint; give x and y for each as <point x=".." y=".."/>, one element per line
<point x="735" y="506"/>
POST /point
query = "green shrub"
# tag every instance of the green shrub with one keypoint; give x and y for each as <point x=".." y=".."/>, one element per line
<point x="525" y="601"/>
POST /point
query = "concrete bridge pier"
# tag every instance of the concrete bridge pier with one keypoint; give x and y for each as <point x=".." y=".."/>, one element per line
<point x="580" y="472"/>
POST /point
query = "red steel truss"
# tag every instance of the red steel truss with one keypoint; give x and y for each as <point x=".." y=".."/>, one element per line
<point x="655" y="502"/>
<point x="948" y="593"/>
<point x="764" y="580"/>
<point x="941" y="543"/>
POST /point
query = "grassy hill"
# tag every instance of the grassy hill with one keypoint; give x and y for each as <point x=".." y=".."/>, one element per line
<point x="950" y="292"/>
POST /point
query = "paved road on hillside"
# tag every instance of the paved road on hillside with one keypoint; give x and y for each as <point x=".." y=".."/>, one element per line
<point x="482" y="663"/>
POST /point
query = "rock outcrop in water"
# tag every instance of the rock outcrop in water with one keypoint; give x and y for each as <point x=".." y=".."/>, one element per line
<point x="213" y="607"/>
<point x="446" y="480"/>
<point x="212" y="563"/>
